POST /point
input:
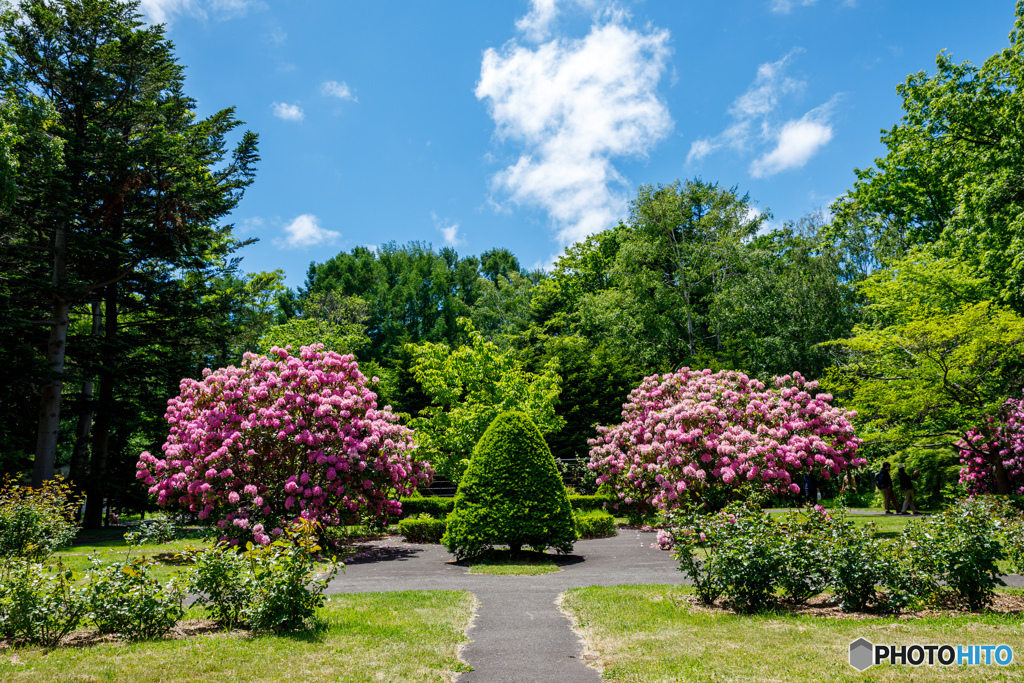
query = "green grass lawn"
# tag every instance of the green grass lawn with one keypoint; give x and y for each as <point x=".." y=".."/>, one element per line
<point x="400" y="636"/>
<point x="650" y="633"/>
<point x="527" y="563"/>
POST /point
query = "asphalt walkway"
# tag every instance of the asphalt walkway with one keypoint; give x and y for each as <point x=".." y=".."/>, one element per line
<point x="518" y="634"/>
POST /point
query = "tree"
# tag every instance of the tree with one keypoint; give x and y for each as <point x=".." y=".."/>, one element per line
<point x="787" y="296"/>
<point x="680" y="246"/>
<point x="689" y="432"/>
<point x="470" y="385"/>
<point x="282" y="437"/>
<point x="511" y="494"/>
<point x="142" y="183"/>
<point x="937" y="355"/>
<point x="953" y="173"/>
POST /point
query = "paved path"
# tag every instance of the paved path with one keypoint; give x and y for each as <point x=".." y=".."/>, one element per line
<point x="519" y="635"/>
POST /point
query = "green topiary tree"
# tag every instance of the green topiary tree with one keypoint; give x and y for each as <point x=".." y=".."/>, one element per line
<point x="511" y="493"/>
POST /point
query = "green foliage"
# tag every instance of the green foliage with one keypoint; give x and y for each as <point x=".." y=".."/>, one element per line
<point x="35" y="521"/>
<point x="435" y="507"/>
<point x="934" y="360"/>
<point x="468" y="387"/>
<point x="594" y="502"/>
<point x="220" y="580"/>
<point x="123" y="598"/>
<point x="511" y="494"/>
<point x="595" y="524"/>
<point x="36" y="605"/>
<point x="950" y="175"/>
<point x="286" y="589"/>
<point x="338" y="322"/>
<point x="153" y="532"/>
<point x="422" y="529"/>
<point x="960" y="549"/>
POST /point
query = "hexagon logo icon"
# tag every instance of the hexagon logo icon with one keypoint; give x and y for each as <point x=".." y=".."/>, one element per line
<point x="861" y="654"/>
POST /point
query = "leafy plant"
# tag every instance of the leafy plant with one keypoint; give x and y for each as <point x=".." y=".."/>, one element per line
<point x="35" y="521"/>
<point x="252" y="448"/>
<point x="511" y="494"/>
<point x="220" y="578"/>
<point x="422" y="529"/>
<point x="595" y="524"/>
<point x="124" y="598"/>
<point x="960" y="550"/>
<point x="36" y="605"/>
<point x="153" y="532"/>
<point x="286" y="591"/>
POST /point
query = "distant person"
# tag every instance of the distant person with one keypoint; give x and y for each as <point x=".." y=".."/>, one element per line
<point x="849" y="482"/>
<point x="810" y="488"/>
<point x="907" y="487"/>
<point x="884" y="481"/>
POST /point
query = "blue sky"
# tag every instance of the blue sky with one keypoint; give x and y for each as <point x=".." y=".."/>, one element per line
<point x="529" y="124"/>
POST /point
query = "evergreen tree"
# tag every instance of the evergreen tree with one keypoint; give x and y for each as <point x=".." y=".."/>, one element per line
<point x="511" y="494"/>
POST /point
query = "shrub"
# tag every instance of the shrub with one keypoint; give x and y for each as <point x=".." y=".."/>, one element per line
<point x="595" y="524"/>
<point x="854" y="558"/>
<point x="38" y="606"/>
<point x="286" y="591"/>
<point x="803" y="539"/>
<point x="960" y="549"/>
<point x="35" y="521"/>
<point x="123" y="598"/>
<point x="435" y="507"/>
<point x="998" y="440"/>
<point x="256" y="447"/>
<point x="691" y="431"/>
<point x="221" y="579"/>
<point x="422" y="529"/>
<point x="595" y="502"/>
<point x="511" y="494"/>
<point x="153" y="532"/>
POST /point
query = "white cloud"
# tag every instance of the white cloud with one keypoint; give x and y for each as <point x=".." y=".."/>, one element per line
<point x="161" y="11"/>
<point x="760" y="99"/>
<point x="786" y="6"/>
<point x="305" y="231"/>
<point x="753" y="126"/>
<point x="288" y="112"/>
<point x="339" y="90"/>
<point x="449" y="231"/>
<point x="797" y="142"/>
<point x="575" y="105"/>
<point x="537" y="25"/>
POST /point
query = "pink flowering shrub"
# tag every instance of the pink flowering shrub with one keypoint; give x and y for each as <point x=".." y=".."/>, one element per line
<point x="692" y="429"/>
<point x="999" y="438"/>
<point x="254" y="448"/>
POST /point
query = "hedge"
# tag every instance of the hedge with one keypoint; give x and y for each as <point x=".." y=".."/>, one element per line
<point x="422" y="530"/>
<point x="595" y="524"/>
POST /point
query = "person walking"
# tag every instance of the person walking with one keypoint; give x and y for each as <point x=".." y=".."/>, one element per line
<point x="810" y="489"/>
<point x="884" y="481"/>
<point x="907" y="487"/>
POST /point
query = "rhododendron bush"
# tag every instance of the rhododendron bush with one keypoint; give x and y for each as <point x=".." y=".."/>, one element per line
<point x="685" y="431"/>
<point x="282" y="438"/>
<point x="999" y="440"/>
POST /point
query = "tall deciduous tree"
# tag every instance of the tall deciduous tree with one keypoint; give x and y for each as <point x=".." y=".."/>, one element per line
<point x="953" y="173"/>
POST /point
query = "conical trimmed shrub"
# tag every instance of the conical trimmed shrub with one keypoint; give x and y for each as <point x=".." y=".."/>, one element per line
<point x="511" y="494"/>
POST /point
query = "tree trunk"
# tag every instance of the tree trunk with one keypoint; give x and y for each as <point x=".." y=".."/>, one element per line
<point x="56" y="349"/>
<point x="96" y="487"/>
<point x="80" y="457"/>
<point x="1002" y="479"/>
